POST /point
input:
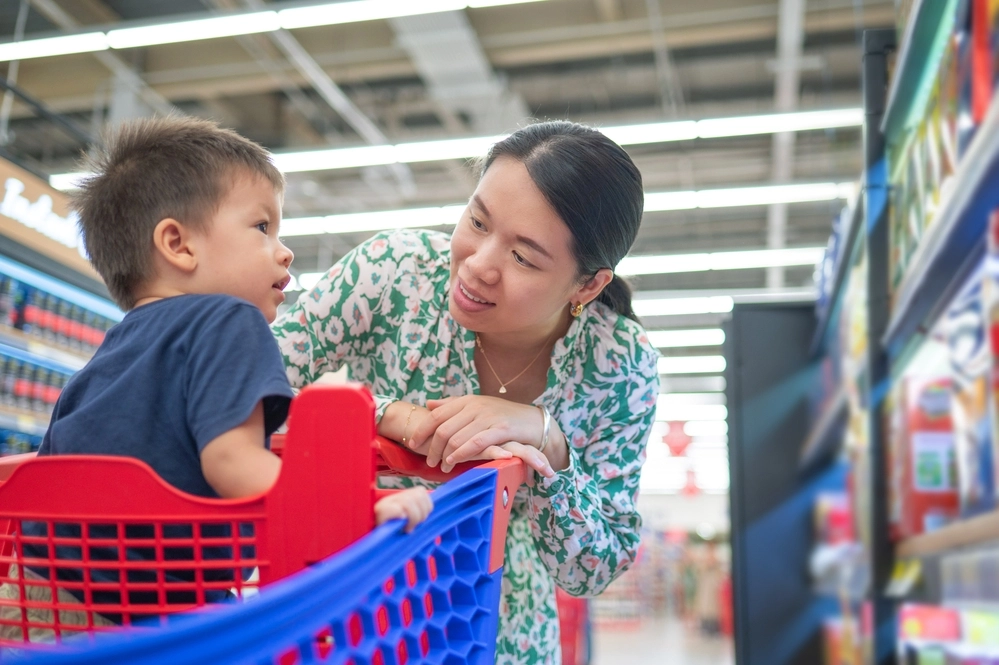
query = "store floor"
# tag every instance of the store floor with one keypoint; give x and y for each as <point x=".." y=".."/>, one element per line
<point x="661" y="641"/>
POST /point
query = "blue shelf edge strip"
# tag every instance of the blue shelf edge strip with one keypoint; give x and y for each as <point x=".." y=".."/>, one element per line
<point x="60" y="289"/>
<point x="28" y="357"/>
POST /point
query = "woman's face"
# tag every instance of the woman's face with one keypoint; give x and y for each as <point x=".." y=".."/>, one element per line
<point x="511" y="266"/>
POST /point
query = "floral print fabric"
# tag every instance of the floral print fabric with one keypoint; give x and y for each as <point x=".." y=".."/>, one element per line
<point x="382" y="311"/>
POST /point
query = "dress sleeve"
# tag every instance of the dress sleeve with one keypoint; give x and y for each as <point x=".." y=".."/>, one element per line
<point x="334" y="319"/>
<point x="584" y="520"/>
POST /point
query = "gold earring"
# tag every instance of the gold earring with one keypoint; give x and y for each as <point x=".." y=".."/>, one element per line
<point x="576" y="309"/>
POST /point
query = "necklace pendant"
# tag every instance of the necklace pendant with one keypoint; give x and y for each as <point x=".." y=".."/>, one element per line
<point x="502" y="390"/>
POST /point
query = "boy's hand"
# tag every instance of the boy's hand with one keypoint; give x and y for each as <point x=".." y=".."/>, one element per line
<point x="413" y="504"/>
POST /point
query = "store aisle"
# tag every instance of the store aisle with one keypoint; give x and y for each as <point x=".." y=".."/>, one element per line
<point x="660" y="641"/>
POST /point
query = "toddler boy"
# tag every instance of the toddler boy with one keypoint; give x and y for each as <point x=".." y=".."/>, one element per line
<point x="181" y="219"/>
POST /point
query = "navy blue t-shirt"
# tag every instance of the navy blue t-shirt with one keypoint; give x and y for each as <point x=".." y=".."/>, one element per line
<point x="170" y="378"/>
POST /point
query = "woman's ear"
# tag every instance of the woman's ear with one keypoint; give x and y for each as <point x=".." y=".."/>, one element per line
<point x="172" y="242"/>
<point x="588" y="292"/>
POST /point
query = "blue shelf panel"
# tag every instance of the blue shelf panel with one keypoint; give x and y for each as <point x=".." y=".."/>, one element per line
<point x="954" y="245"/>
<point x="848" y="256"/>
<point x="930" y="23"/>
<point x="60" y="289"/>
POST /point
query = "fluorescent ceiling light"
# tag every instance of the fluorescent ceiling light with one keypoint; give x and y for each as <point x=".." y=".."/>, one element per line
<point x="780" y="122"/>
<point x="692" y="365"/>
<point x="748" y="196"/>
<point x="361" y="10"/>
<point x="681" y="306"/>
<point x="380" y="155"/>
<point x="67" y="181"/>
<point x="676" y="399"/>
<point x="661" y="264"/>
<point x="234" y="24"/>
<point x="196" y="30"/>
<point x="87" y="42"/>
<point x="671" y="339"/>
<point x="448" y="215"/>
<point x="364" y="222"/>
<point x="692" y="384"/>
<point x="657" y="132"/>
<point x="687" y="412"/>
<point x="706" y="428"/>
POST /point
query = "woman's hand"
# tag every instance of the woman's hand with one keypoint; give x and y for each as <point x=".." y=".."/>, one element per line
<point x="464" y="428"/>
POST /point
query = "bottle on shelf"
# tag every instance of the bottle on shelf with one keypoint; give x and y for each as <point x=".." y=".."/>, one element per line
<point x="76" y="327"/>
<point x="8" y="375"/>
<point x="47" y="319"/>
<point x="30" y="319"/>
<point x="40" y="378"/>
<point x="64" y="323"/>
<point x="22" y="386"/>
<point x="8" y="302"/>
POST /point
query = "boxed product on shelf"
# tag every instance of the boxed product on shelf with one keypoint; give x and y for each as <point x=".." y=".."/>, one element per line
<point x="925" y="632"/>
<point x="923" y="456"/>
<point x="971" y="578"/>
<point x="971" y="364"/>
<point x="833" y="518"/>
<point x="990" y="305"/>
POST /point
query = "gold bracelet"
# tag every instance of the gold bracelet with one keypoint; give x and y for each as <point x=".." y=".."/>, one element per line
<point x="406" y="426"/>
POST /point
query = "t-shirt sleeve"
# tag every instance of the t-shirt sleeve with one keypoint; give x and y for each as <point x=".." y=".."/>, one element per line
<point x="232" y="365"/>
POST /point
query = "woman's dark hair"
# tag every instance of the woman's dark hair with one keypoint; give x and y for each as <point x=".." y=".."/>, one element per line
<point x="595" y="188"/>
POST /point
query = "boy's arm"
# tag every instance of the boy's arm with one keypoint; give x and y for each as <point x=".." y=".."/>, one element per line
<point x="236" y="463"/>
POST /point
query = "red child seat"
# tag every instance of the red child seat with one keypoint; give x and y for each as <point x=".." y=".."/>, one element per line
<point x="321" y="503"/>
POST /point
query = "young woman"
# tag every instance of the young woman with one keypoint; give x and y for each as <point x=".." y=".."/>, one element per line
<point x="511" y="336"/>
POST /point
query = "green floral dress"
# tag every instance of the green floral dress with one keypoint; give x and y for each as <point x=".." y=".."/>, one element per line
<point x="382" y="311"/>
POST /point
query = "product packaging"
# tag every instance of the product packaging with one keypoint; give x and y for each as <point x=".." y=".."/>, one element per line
<point x="928" y="492"/>
<point x="971" y="369"/>
<point x="990" y="305"/>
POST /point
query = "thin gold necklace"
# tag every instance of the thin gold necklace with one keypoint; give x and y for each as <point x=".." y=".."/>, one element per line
<point x="504" y="384"/>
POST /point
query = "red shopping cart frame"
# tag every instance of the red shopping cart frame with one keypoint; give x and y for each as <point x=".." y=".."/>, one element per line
<point x="98" y="512"/>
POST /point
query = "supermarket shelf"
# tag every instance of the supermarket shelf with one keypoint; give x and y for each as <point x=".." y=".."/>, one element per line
<point x="846" y="259"/>
<point x="825" y="436"/>
<point x="972" y="531"/>
<point x="956" y="238"/>
<point x="60" y="289"/>
<point x="12" y="337"/>
<point x="23" y="421"/>
<point x="929" y="24"/>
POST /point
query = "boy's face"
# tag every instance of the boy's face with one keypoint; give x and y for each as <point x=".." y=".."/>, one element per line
<point x="239" y="253"/>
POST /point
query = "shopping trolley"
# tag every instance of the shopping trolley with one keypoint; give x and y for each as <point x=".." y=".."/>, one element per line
<point x="331" y="589"/>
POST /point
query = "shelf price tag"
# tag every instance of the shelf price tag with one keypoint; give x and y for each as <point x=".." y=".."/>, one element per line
<point x="904" y="576"/>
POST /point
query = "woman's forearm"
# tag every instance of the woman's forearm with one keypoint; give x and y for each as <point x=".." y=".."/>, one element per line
<point x="400" y="420"/>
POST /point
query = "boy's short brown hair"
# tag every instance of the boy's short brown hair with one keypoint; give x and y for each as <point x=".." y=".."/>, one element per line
<point x="149" y="170"/>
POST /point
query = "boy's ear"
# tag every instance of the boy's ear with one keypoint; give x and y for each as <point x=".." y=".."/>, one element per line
<point x="172" y="241"/>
